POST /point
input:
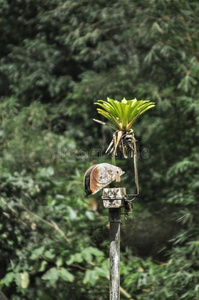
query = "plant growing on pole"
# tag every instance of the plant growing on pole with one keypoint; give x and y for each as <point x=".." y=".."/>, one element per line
<point x="122" y="115"/>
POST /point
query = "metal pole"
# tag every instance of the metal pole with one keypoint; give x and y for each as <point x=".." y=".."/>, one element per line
<point x="115" y="220"/>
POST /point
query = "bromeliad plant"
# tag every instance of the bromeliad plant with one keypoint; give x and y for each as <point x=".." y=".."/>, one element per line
<point x="122" y="115"/>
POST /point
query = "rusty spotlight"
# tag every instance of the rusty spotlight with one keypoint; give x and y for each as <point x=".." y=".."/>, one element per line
<point x="99" y="176"/>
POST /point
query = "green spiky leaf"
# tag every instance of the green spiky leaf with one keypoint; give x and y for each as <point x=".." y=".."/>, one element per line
<point x="122" y="114"/>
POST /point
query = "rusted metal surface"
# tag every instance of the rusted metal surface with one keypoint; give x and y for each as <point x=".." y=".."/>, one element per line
<point x="99" y="176"/>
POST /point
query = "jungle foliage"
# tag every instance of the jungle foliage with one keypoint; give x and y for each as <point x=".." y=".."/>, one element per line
<point x="56" y="59"/>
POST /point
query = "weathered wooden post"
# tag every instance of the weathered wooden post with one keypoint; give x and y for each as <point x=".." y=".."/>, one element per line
<point x="113" y="199"/>
<point x="114" y="219"/>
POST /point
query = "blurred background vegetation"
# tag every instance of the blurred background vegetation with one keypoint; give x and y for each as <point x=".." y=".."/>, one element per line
<point x="56" y="59"/>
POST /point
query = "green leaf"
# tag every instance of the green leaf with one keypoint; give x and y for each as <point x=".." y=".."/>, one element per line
<point x="72" y="213"/>
<point x="87" y="253"/>
<point x="65" y="275"/>
<point x="49" y="254"/>
<point x="51" y="275"/>
<point x="106" y="115"/>
<point x="77" y="257"/>
<point x="46" y="172"/>
<point x="116" y="106"/>
<point x="100" y="272"/>
<point x="59" y="262"/>
<point x="43" y="266"/>
<point x="90" y="215"/>
<point x="108" y="107"/>
<point x="8" y="278"/>
<point x="24" y="280"/>
<point x="90" y="277"/>
<point x="37" y="252"/>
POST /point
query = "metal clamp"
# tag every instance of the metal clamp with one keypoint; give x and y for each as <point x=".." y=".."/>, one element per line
<point x="113" y="197"/>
